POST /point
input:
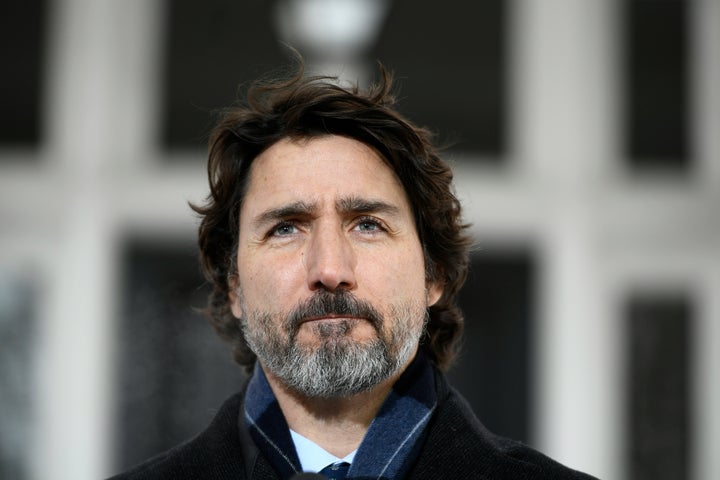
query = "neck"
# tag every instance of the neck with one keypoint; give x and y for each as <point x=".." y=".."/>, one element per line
<point x="338" y="425"/>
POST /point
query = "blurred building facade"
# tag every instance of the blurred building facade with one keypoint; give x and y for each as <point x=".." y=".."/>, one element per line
<point x="584" y="137"/>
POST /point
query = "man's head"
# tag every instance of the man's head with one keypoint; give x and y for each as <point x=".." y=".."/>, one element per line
<point x="330" y="285"/>
<point x="325" y="202"/>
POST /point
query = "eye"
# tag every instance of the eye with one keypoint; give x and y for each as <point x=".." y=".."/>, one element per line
<point x="283" y="229"/>
<point x="369" y="225"/>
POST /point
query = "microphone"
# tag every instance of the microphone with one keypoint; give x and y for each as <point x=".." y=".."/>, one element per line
<point x="308" y="476"/>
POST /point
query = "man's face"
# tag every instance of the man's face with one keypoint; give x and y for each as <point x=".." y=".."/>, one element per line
<point x="331" y="274"/>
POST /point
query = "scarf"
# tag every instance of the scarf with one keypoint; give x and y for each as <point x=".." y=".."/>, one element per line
<point x="391" y="444"/>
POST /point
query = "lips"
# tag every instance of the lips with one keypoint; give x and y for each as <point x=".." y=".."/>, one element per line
<point x="330" y="318"/>
<point x="328" y="306"/>
<point x="343" y="322"/>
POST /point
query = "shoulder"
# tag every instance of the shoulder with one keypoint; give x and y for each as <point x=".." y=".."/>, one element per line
<point x="213" y="454"/>
<point x="459" y="446"/>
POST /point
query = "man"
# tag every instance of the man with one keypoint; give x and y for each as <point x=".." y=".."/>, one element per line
<point x="336" y="250"/>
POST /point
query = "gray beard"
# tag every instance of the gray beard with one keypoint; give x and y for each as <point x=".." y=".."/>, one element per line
<point x="339" y="366"/>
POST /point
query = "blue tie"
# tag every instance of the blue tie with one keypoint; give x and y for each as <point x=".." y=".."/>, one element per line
<point x="336" y="471"/>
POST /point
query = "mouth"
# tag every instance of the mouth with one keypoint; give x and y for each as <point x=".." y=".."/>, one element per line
<point x="334" y="311"/>
<point x="331" y="318"/>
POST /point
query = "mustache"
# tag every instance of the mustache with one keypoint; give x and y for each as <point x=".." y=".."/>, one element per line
<point x="340" y="303"/>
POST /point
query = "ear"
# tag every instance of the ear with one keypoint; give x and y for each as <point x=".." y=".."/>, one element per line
<point x="434" y="292"/>
<point x="234" y="297"/>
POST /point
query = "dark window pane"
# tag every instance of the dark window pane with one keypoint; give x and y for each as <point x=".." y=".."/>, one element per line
<point x="494" y="371"/>
<point x="450" y="62"/>
<point x="213" y="47"/>
<point x="22" y="32"/>
<point x="657" y="84"/>
<point x="174" y="370"/>
<point x="659" y="332"/>
<point x="450" y="59"/>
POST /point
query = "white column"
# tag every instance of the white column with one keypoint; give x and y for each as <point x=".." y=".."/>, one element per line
<point x="562" y="89"/>
<point x="564" y="140"/>
<point x="705" y="30"/>
<point x="96" y="109"/>
<point x="76" y="339"/>
<point x="73" y="414"/>
<point x="706" y="360"/>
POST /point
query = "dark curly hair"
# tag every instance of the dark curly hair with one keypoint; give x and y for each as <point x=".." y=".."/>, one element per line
<point x="299" y="107"/>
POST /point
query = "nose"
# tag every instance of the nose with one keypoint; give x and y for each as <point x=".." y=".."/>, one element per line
<point x="330" y="260"/>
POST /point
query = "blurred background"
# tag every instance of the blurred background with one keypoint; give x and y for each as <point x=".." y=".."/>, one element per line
<point x="585" y="137"/>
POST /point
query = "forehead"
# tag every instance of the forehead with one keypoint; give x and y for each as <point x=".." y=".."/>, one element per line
<point x="321" y="168"/>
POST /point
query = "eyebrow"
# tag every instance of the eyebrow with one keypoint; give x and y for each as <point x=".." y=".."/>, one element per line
<point x="346" y="205"/>
<point x="294" y="209"/>
<point x="363" y="205"/>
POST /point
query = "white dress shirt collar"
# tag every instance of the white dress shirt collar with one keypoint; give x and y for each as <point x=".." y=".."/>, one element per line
<point x="313" y="457"/>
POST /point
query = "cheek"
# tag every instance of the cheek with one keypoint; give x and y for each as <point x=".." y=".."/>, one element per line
<point x="399" y="277"/>
<point x="270" y="280"/>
